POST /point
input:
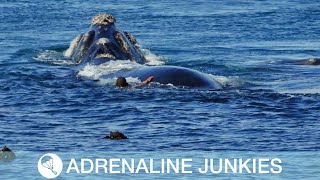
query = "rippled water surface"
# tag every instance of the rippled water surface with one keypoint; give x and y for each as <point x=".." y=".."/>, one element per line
<point x="48" y="104"/>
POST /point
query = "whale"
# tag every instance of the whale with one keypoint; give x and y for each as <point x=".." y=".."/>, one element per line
<point x="310" y="61"/>
<point x="171" y="75"/>
<point x="6" y="154"/>
<point x="105" y="42"/>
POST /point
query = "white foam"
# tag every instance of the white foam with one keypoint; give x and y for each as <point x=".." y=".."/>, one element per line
<point x="53" y="57"/>
<point x="227" y="81"/>
<point x="152" y="59"/>
<point x="96" y="71"/>
<point x="299" y="82"/>
<point x="301" y="91"/>
<point x="299" y="85"/>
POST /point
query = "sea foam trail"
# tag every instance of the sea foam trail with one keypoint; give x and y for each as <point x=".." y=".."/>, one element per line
<point x="52" y="57"/>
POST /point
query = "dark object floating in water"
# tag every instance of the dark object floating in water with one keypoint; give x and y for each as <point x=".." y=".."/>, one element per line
<point x="6" y="154"/>
<point x="5" y="148"/>
<point x="310" y="61"/>
<point x="116" y="135"/>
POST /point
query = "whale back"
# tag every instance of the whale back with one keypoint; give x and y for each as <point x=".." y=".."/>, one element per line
<point x="177" y="76"/>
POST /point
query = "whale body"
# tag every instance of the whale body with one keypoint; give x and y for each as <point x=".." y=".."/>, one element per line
<point x="105" y="42"/>
<point x="174" y="75"/>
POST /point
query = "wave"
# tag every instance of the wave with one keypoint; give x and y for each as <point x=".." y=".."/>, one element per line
<point x="96" y="72"/>
<point x="228" y="82"/>
<point x="52" y="57"/>
<point x="301" y="91"/>
<point x="152" y="59"/>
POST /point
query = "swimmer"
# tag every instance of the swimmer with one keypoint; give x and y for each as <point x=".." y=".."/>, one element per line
<point x="122" y="82"/>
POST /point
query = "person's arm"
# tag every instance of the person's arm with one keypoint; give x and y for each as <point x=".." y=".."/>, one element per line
<point x="145" y="82"/>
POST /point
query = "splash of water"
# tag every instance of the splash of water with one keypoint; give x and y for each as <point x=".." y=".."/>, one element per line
<point x="152" y="59"/>
<point x="96" y="71"/>
<point x="52" y="57"/>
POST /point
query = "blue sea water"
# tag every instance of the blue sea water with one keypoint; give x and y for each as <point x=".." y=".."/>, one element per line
<point x="268" y="107"/>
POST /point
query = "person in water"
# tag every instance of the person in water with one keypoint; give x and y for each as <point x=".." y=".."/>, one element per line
<point x="122" y="82"/>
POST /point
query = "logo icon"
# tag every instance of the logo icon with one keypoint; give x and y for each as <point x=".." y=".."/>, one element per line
<point x="50" y="166"/>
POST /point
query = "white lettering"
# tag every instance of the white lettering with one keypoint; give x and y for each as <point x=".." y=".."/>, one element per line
<point x="212" y="166"/>
<point x="83" y="165"/>
<point x="244" y="165"/>
<point x="74" y="167"/>
<point x="205" y="167"/>
<point x="233" y="167"/>
<point x="126" y="164"/>
<point x="112" y="165"/>
<point x="152" y="171"/>
<point x="144" y="166"/>
<point x="274" y="164"/>
<point x="262" y="165"/>
<point x="184" y="165"/>
<point x="104" y="165"/>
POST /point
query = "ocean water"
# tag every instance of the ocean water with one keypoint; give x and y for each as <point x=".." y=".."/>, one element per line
<point x="268" y="108"/>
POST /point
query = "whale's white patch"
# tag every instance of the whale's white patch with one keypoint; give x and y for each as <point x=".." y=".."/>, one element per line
<point x="103" y="41"/>
<point x="73" y="44"/>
